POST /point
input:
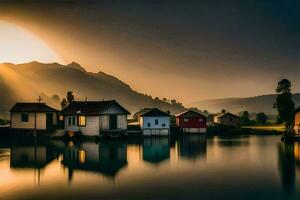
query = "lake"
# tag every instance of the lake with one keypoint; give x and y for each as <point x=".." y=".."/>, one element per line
<point x="190" y="167"/>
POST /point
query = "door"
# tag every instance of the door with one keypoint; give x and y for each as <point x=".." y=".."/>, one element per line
<point x="49" y="121"/>
<point x="113" y="122"/>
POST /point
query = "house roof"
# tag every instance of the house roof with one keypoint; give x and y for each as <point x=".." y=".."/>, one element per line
<point x="152" y="112"/>
<point x="228" y="113"/>
<point x="32" y="107"/>
<point x="91" y="107"/>
<point x="190" y="113"/>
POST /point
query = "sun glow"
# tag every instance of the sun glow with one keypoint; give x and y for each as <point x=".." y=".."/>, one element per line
<point x="18" y="45"/>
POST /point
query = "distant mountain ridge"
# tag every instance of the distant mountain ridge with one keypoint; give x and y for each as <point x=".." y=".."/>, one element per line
<point x="25" y="82"/>
<point x="263" y="103"/>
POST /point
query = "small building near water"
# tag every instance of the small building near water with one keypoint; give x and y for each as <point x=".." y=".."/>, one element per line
<point x="297" y="121"/>
<point x="191" y="121"/>
<point x="93" y="118"/>
<point x="154" y="122"/>
<point x="227" y="119"/>
<point x="33" y="116"/>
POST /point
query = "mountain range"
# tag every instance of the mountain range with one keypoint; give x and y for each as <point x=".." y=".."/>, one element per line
<point x="26" y="82"/>
<point x="263" y="103"/>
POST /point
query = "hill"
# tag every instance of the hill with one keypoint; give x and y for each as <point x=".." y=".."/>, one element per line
<point x="25" y="82"/>
<point x="263" y="103"/>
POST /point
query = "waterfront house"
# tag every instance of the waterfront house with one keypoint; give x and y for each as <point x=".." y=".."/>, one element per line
<point x="154" y="122"/>
<point x="33" y="116"/>
<point x="191" y="121"/>
<point x="92" y="118"/>
<point x="227" y="119"/>
<point x="297" y="121"/>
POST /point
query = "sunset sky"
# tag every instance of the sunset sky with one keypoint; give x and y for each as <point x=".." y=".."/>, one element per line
<point x="167" y="48"/>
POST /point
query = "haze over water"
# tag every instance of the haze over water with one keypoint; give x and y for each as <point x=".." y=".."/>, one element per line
<point x="193" y="167"/>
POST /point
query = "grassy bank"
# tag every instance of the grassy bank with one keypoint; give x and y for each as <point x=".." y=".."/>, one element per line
<point x="251" y="130"/>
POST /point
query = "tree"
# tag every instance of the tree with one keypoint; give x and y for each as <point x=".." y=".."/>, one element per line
<point x="173" y="101"/>
<point x="55" y="98"/>
<point x="70" y="96"/>
<point x="284" y="103"/>
<point x="63" y="103"/>
<point x="245" y="119"/>
<point x="261" y="118"/>
<point x="223" y="111"/>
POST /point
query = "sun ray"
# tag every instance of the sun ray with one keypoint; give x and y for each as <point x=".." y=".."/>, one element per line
<point x="18" y="45"/>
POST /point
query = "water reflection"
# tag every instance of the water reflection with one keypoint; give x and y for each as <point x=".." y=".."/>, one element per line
<point x="192" y="147"/>
<point x="156" y="150"/>
<point x="31" y="156"/>
<point x="288" y="163"/>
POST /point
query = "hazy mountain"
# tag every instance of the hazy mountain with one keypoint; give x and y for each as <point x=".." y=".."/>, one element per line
<point x="25" y="82"/>
<point x="262" y="103"/>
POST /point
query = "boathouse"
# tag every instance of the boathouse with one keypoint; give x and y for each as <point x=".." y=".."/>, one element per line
<point x="191" y="121"/>
<point x="227" y="119"/>
<point x="297" y="121"/>
<point x="154" y="122"/>
<point x="92" y="118"/>
<point x="33" y="116"/>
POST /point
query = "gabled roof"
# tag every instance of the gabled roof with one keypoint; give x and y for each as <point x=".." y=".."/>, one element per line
<point x="152" y="112"/>
<point x="190" y="113"/>
<point x="228" y="113"/>
<point x="91" y="107"/>
<point x="32" y="107"/>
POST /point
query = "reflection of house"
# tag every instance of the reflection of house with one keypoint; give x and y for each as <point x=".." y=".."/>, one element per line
<point x="34" y="116"/>
<point x="191" y="121"/>
<point x="297" y="121"/>
<point x="93" y="117"/>
<point x="192" y="146"/>
<point x="156" y="150"/>
<point x="31" y="156"/>
<point x="228" y="119"/>
<point x="154" y="121"/>
<point x="105" y="157"/>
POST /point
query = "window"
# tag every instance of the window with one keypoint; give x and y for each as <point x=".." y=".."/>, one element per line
<point x="24" y="118"/>
<point x="156" y="122"/>
<point x="185" y="120"/>
<point x="200" y="120"/>
<point x="71" y="121"/>
<point x="61" y="118"/>
<point x="81" y="156"/>
<point x="164" y="125"/>
<point x="81" y="121"/>
<point x="149" y="125"/>
<point x="230" y="119"/>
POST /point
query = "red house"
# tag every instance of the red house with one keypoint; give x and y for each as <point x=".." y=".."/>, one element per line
<point x="191" y="121"/>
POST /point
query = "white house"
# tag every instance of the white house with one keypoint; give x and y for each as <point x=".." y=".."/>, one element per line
<point x="33" y="116"/>
<point x="92" y="118"/>
<point x="154" y="122"/>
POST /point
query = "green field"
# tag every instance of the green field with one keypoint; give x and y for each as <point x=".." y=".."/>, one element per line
<point x="280" y="128"/>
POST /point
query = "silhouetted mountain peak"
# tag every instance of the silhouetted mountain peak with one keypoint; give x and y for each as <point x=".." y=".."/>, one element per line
<point x="76" y="66"/>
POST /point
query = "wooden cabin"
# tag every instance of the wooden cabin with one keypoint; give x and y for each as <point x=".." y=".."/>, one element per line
<point x="191" y="121"/>
<point x="93" y="118"/>
<point x="154" y="122"/>
<point x="297" y="121"/>
<point x="227" y="119"/>
<point x="33" y="116"/>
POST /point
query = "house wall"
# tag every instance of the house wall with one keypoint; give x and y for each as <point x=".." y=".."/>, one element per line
<point x="155" y="129"/>
<point x="229" y="120"/>
<point x="91" y="128"/>
<point x="297" y="123"/>
<point x="193" y="122"/>
<point x="18" y="124"/>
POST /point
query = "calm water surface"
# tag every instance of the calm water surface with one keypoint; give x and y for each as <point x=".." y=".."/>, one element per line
<point x="192" y="167"/>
